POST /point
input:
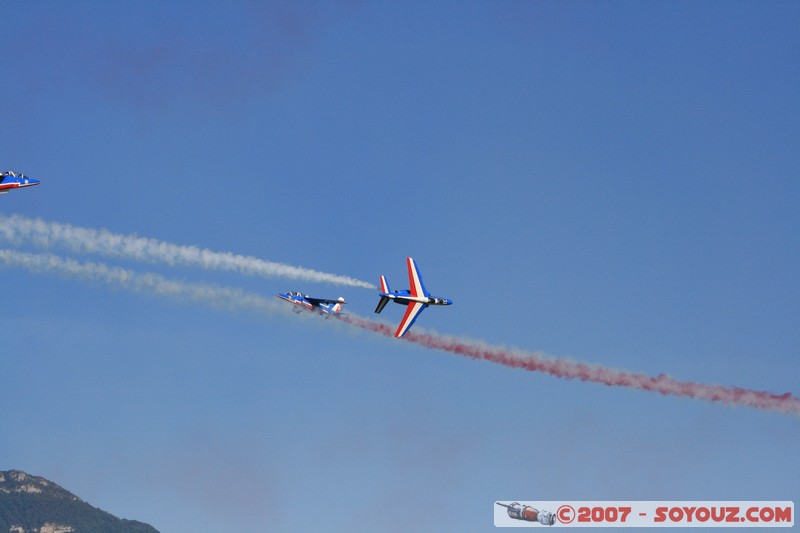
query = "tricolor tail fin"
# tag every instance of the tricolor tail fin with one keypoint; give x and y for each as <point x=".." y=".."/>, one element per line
<point x="384" y="290"/>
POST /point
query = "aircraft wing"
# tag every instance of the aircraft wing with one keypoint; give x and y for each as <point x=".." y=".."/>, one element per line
<point x="413" y="311"/>
<point x="415" y="279"/>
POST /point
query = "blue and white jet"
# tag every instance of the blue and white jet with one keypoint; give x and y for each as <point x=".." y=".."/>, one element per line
<point x="13" y="180"/>
<point x="417" y="298"/>
<point x="319" y="305"/>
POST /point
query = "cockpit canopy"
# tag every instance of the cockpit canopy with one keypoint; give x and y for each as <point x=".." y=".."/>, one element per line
<point x="13" y="174"/>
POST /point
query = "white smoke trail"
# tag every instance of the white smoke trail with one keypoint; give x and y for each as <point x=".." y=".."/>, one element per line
<point x="16" y="229"/>
<point x="216" y="296"/>
<point x="535" y="362"/>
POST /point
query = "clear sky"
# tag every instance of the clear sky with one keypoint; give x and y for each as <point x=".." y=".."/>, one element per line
<point x="615" y="182"/>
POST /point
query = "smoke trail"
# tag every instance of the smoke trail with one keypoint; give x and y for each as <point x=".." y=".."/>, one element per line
<point x="535" y="362"/>
<point x="564" y="368"/>
<point x="215" y="296"/>
<point x="16" y="228"/>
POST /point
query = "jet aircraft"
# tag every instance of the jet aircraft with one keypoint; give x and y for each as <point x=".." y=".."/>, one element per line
<point x="529" y="514"/>
<point x="320" y="305"/>
<point x="417" y="298"/>
<point x="13" y="180"/>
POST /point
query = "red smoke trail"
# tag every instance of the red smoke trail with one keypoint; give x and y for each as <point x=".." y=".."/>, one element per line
<point x="562" y="368"/>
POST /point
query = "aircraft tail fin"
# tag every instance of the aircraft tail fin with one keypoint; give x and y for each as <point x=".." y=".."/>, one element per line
<point x="385" y="285"/>
<point x="384" y="290"/>
<point x="381" y="304"/>
<point x="337" y="308"/>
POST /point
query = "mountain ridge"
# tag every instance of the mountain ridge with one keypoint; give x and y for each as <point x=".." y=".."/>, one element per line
<point x="33" y="504"/>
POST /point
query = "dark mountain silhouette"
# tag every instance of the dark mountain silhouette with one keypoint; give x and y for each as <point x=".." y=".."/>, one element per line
<point x="31" y="504"/>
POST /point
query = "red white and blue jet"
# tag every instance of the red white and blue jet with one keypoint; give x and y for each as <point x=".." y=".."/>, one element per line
<point x="417" y="298"/>
<point x="13" y="180"/>
<point x="319" y="305"/>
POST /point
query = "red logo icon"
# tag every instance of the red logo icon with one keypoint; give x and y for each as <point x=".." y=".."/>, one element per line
<point x="565" y="514"/>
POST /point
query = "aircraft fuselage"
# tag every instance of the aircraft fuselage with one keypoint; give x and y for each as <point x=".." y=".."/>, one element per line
<point x="405" y="300"/>
<point x="14" y="180"/>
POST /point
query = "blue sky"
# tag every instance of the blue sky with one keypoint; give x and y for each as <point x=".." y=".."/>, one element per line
<point x="613" y="182"/>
